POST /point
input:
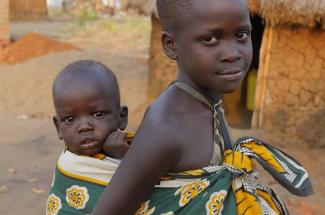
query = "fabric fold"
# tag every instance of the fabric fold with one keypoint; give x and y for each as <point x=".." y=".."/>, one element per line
<point x="230" y="188"/>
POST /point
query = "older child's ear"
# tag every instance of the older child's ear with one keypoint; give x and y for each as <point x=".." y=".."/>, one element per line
<point x="56" y="124"/>
<point x="168" y="44"/>
<point x="123" y="117"/>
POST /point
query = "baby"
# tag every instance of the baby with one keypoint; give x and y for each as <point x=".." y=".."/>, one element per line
<point x="87" y="103"/>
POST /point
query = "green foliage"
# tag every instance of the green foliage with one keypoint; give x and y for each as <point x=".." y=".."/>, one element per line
<point x="85" y="15"/>
<point x="88" y="14"/>
<point x="131" y="25"/>
<point x="118" y="33"/>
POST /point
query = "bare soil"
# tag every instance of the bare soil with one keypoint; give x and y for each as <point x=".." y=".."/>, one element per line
<point x="28" y="141"/>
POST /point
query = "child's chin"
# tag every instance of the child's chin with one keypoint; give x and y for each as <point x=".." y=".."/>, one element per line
<point x="230" y="88"/>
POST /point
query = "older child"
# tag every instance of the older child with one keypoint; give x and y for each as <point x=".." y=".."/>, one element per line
<point x="87" y="103"/>
<point x="184" y="129"/>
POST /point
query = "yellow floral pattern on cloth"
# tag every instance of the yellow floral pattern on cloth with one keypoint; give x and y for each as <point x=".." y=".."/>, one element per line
<point x="191" y="190"/>
<point x="77" y="197"/>
<point x="269" y="200"/>
<point x="239" y="160"/>
<point x="144" y="209"/>
<point x="246" y="203"/>
<point x="265" y="154"/>
<point x="215" y="205"/>
<point x="53" y="205"/>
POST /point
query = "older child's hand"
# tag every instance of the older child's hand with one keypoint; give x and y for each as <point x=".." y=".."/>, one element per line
<point x="116" y="144"/>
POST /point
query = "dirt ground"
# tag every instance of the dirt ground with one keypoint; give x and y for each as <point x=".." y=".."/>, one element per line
<point x="28" y="141"/>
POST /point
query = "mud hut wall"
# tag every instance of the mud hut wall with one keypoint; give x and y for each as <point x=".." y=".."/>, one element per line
<point x="162" y="70"/>
<point x="27" y="9"/>
<point x="294" y="100"/>
<point x="4" y="20"/>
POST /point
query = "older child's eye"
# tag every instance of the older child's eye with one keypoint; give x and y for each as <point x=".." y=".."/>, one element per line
<point x="243" y="36"/>
<point x="68" y="120"/>
<point x="211" y="40"/>
<point x="99" y="114"/>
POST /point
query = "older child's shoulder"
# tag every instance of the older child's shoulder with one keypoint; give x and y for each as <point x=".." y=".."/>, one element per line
<point x="161" y="124"/>
<point x="175" y="115"/>
<point x="173" y="109"/>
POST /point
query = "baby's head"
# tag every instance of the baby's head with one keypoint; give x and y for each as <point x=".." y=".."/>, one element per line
<point x="87" y="103"/>
<point x="210" y="40"/>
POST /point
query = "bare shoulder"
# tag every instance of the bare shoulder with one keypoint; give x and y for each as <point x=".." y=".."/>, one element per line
<point x="161" y="121"/>
<point x="157" y="135"/>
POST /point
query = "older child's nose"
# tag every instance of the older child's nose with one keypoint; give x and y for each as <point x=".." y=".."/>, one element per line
<point x="230" y="53"/>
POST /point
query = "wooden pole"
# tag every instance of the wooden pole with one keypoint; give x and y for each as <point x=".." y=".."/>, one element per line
<point x="260" y="96"/>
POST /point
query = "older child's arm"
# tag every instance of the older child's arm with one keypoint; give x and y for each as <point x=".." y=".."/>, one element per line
<point x="153" y="153"/>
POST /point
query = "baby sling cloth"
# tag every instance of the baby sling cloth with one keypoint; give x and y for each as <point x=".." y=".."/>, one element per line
<point x="229" y="188"/>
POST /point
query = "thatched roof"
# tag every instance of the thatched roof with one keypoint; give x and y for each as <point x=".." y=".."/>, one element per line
<point x="310" y="13"/>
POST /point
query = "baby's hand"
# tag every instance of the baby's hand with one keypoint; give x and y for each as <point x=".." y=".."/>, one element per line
<point x="116" y="144"/>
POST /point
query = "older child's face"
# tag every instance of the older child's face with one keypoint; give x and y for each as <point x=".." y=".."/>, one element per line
<point x="214" y="48"/>
<point x="86" y="114"/>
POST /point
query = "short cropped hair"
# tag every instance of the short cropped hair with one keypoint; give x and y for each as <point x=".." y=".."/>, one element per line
<point x="172" y="13"/>
<point x="86" y="67"/>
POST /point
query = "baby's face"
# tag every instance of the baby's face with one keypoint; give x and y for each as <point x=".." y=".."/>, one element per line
<point x="86" y="114"/>
<point x="214" y="47"/>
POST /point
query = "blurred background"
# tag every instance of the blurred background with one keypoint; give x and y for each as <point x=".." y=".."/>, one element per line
<point x="282" y="99"/>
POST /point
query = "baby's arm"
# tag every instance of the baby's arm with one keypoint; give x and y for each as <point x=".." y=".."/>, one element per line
<point x="116" y="145"/>
<point x="152" y="154"/>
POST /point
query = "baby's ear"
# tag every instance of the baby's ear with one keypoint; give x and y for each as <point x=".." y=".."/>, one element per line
<point x="168" y="44"/>
<point x="123" y="117"/>
<point x="56" y="122"/>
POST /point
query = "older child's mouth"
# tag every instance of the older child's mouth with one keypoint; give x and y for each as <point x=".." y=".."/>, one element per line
<point x="230" y="74"/>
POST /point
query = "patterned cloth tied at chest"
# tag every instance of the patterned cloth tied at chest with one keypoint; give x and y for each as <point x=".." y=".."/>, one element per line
<point x="227" y="186"/>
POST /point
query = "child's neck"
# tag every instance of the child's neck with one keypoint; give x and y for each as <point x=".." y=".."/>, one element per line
<point x="214" y="96"/>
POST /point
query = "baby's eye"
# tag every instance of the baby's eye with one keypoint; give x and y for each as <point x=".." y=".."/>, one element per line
<point x="99" y="114"/>
<point x="211" y="40"/>
<point x="68" y="120"/>
<point x="243" y="36"/>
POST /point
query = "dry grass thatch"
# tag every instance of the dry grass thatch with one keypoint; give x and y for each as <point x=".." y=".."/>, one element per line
<point x="310" y="13"/>
<point x="27" y="9"/>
